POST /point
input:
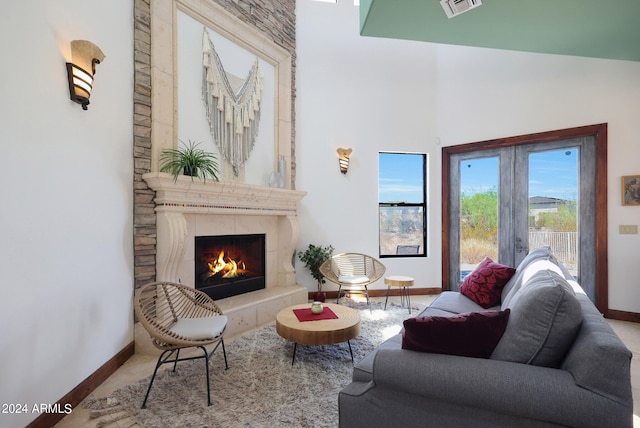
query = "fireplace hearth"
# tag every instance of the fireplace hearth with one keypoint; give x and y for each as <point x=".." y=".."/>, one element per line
<point x="229" y="265"/>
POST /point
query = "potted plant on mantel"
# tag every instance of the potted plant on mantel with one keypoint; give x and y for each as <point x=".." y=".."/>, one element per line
<point x="313" y="257"/>
<point x="189" y="160"/>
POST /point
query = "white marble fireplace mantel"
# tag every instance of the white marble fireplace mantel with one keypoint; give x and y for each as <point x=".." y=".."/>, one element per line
<point x="194" y="196"/>
<point x="187" y="208"/>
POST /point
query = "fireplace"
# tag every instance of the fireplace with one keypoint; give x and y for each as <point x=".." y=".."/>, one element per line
<point x="228" y="265"/>
<point x="188" y="209"/>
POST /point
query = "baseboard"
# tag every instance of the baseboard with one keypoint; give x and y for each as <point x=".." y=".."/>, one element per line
<point x="80" y="392"/>
<point x="623" y="315"/>
<point x="383" y="293"/>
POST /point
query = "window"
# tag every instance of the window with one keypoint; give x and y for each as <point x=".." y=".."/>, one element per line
<point x="402" y="208"/>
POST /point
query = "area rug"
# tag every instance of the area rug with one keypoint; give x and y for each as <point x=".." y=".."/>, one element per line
<point x="261" y="388"/>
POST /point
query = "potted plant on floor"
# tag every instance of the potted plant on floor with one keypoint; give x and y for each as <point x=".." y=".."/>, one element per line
<point x="189" y="160"/>
<point x="313" y="257"/>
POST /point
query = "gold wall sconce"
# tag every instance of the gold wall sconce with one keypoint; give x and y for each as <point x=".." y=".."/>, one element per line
<point x="343" y="159"/>
<point x="80" y="71"/>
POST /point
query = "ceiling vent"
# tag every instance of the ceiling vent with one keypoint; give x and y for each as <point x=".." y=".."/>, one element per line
<point x="456" y="7"/>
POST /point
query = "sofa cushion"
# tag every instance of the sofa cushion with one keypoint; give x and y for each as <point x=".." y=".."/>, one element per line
<point x="363" y="370"/>
<point x="526" y="274"/>
<point x="514" y="284"/>
<point x="473" y="334"/>
<point x="484" y="285"/>
<point x="455" y="303"/>
<point x="598" y="360"/>
<point x="545" y="317"/>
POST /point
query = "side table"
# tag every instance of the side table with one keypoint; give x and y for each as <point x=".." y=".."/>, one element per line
<point x="403" y="282"/>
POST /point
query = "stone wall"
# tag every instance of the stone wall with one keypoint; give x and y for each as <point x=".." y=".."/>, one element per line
<point x="276" y="19"/>
<point x="144" y="218"/>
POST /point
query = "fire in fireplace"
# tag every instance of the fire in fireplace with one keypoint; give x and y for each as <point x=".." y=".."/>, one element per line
<point x="228" y="265"/>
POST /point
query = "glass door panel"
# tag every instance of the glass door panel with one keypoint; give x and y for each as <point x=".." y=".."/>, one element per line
<point x="479" y="207"/>
<point x="553" y="202"/>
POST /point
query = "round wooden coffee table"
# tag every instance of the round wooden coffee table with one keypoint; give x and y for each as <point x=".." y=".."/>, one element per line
<point x="320" y="332"/>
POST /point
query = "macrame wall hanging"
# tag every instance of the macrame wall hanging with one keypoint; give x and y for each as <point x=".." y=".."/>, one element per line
<point x="233" y="112"/>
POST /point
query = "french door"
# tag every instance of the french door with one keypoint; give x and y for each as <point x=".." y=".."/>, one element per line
<point x="505" y="197"/>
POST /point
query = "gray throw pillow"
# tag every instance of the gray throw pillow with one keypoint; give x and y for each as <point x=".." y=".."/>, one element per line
<point x="545" y="318"/>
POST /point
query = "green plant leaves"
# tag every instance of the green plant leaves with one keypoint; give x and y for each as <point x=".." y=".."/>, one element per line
<point x="313" y="257"/>
<point x="189" y="158"/>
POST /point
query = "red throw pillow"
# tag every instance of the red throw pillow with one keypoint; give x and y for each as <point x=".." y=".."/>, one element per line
<point x="473" y="334"/>
<point x="484" y="285"/>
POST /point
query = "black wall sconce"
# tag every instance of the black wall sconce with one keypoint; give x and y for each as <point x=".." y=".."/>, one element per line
<point x="80" y="71"/>
<point x="343" y="159"/>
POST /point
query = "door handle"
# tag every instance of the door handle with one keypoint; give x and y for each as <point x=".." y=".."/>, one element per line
<point x="521" y="248"/>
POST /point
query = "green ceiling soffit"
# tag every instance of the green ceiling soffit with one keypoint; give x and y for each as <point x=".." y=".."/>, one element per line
<point x="608" y="29"/>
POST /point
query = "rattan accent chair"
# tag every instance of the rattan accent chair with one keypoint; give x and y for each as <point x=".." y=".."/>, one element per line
<point x="178" y="317"/>
<point x="353" y="272"/>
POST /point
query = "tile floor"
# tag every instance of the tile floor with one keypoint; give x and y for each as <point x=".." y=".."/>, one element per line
<point x="141" y="365"/>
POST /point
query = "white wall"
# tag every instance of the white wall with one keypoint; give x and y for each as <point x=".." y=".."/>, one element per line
<point x="66" y="195"/>
<point x="371" y="95"/>
<point x="377" y="94"/>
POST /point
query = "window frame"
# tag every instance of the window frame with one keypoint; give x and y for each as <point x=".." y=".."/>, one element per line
<point x="422" y="205"/>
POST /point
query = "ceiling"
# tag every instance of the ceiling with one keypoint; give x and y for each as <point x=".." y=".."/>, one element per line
<point x="607" y="29"/>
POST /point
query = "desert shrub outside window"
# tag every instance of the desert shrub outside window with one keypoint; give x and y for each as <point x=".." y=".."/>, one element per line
<point x="402" y="207"/>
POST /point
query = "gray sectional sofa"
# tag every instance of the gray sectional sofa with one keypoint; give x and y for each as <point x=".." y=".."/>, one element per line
<point x="541" y="373"/>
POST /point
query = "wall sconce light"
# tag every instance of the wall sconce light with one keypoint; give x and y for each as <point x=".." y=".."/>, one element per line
<point x="80" y="71"/>
<point x="343" y="159"/>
